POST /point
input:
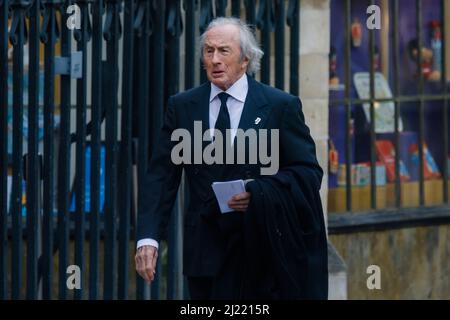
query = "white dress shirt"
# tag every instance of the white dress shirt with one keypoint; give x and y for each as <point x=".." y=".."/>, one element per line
<point x="235" y="104"/>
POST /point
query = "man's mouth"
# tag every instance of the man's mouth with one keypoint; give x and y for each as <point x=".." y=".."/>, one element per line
<point x="218" y="73"/>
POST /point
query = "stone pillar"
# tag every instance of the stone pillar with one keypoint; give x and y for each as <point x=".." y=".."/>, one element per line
<point x="314" y="51"/>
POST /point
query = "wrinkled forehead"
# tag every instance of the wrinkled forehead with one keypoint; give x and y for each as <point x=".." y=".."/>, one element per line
<point x="226" y="35"/>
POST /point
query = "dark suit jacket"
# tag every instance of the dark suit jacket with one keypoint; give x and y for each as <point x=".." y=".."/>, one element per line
<point x="206" y="230"/>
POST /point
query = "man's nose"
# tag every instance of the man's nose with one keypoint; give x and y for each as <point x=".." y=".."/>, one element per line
<point x="215" y="58"/>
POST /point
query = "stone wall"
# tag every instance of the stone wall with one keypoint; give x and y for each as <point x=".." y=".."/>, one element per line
<point x="414" y="263"/>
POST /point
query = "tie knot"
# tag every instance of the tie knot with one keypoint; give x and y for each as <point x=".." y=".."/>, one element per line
<point x="223" y="96"/>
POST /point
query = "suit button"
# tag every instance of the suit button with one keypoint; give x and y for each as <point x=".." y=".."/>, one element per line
<point x="248" y="174"/>
<point x="196" y="171"/>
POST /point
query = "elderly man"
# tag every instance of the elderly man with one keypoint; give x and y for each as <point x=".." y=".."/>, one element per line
<point x="273" y="244"/>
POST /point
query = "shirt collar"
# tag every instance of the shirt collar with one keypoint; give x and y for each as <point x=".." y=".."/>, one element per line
<point x="238" y="90"/>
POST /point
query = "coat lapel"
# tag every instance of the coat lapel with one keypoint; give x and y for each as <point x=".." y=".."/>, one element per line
<point x="199" y="111"/>
<point x="200" y="106"/>
<point x="256" y="108"/>
<point x="254" y="116"/>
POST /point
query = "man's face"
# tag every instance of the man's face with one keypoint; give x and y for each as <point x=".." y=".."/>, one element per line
<point x="222" y="56"/>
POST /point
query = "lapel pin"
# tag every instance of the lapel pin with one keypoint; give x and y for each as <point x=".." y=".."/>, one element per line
<point x="257" y="120"/>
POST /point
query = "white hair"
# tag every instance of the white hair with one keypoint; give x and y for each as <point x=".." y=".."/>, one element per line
<point x="249" y="46"/>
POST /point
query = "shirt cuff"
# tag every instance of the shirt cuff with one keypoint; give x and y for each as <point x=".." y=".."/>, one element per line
<point x="147" y="242"/>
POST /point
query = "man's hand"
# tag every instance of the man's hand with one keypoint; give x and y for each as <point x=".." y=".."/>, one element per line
<point x="145" y="259"/>
<point x="240" y="201"/>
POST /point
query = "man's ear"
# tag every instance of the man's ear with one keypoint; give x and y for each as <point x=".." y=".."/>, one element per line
<point x="245" y="63"/>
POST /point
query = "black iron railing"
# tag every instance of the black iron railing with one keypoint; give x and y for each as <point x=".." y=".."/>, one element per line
<point x="418" y="99"/>
<point x="104" y="89"/>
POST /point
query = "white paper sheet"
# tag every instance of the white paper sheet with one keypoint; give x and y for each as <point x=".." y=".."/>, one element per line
<point x="225" y="190"/>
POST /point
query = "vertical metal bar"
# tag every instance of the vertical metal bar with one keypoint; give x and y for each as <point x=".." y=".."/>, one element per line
<point x="4" y="147"/>
<point x="190" y="7"/>
<point x="279" y="43"/>
<point x="111" y="34"/>
<point x="190" y="60"/>
<point x="64" y="161"/>
<point x="179" y="232"/>
<point x="171" y="253"/>
<point x="82" y="37"/>
<point x="32" y="172"/>
<point x="421" y="102"/>
<point x="221" y="6"/>
<point x="174" y="272"/>
<point x="175" y="281"/>
<point x="250" y="11"/>
<point x="236" y="8"/>
<point x="445" y="106"/>
<point x="396" y="64"/>
<point x="142" y="71"/>
<point x="158" y="81"/>
<point x="158" y="42"/>
<point x="294" y="23"/>
<point x="126" y="149"/>
<point x="49" y="37"/>
<point x="17" y="38"/>
<point x="174" y="29"/>
<point x="348" y="109"/>
<point x="189" y="73"/>
<point x="156" y="284"/>
<point x="265" y="24"/>
<point x="172" y="83"/>
<point x="96" y="114"/>
<point x="373" y="188"/>
<point x="206" y="15"/>
<point x="384" y="38"/>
